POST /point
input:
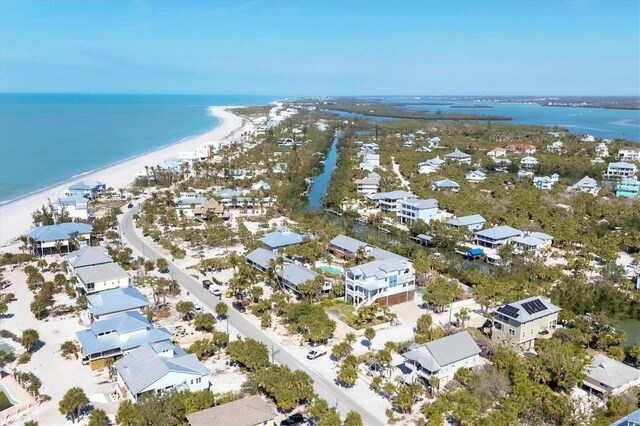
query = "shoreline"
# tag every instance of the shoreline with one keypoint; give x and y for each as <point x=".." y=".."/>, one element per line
<point x="15" y="215"/>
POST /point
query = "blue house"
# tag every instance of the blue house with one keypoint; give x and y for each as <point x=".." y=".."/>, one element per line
<point x="473" y="222"/>
<point x="51" y="238"/>
<point x="628" y="187"/>
<point x="281" y="237"/>
<point x="86" y="189"/>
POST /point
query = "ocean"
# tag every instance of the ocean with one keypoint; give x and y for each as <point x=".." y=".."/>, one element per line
<point x="46" y="139"/>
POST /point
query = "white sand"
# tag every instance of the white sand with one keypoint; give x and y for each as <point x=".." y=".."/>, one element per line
<point x="15" y="217"/>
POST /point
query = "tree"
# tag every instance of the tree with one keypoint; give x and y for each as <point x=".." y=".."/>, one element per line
<point x="68" y="348"/>
<point x="39" y="308"/>
<point x="341" y="350"/>
<point x="348" y="374"/>
<point x="72" y="403"/>
<point x="253" y="355"/>
<point x="463" y="316"/>
<point x="353" y="419"/>
<point x="561" y="365"/>
<point x="204" y="321"/>
<point x="222" y="309"/>
<point x="311" y="289"/>
<point x="98" y="417"/>
<point x="287" y="387"/>
<point x="199" y="400"/>
<point x="256" y="293"/>
<point x="128" y="414"/>
<point x="441" y="293"/>
<point x="369" y="334"/>
<point x="323" y="414"/>
<point x="29" y="339"/>
<point x="184" y="307"/>
<point x="162" y="265"/>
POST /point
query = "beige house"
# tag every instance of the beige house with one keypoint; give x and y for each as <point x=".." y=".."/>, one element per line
<point x="248" y="411"/>
<point x="518" y="324"/>
<point x="106" y="276"/>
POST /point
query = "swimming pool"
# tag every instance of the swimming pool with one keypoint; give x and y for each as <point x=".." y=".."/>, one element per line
<point x="6" y="400"/>
<point x="331" y="270"/>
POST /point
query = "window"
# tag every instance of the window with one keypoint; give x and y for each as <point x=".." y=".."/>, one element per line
<point x="512" y="332"/>
<point x="191" y="381"/>
<point x="393" y="281"/>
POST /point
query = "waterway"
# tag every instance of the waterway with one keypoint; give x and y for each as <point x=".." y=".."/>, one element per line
<point x="321" y="182"/>
<point x="632" y="329"/>
<point x="599" y="122"/>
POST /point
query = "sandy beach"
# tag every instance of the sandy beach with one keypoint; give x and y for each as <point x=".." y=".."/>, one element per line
<point x="15" y="217"/>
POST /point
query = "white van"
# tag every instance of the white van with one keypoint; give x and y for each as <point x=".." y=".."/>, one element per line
<point x="316" y="352"/>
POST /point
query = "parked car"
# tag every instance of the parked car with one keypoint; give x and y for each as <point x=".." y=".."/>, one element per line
<point x="216" y="291"/>
<point x="238" y="306"/>
<point x="293" y="420"/>
<point x="130" y="205"/>
<point x="206" y="284"/>
<point x="316" y="352"/>
<point x="197" y="309"/>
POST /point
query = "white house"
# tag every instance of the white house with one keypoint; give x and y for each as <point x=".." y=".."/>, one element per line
<point x="605" y="375"/>
<point x="187" y="204"/>
<point x="434" y="142"/>
<point x="106" y="276"/>
<point x="529" y="162"/>
<point x="556" y="147"/>
<point x="497" y="236"/>
<point x="534" y="241"/>
<point x="476" y="176"/>
<point x="446" y="185"/>
<point x="621" y="169"/>
<point x="260" y="186"/>
<point x="77" y="207"/>
<point x="430" y="166"/>
<point x="369" y="184"/>
<point x="441" y="358"/>
<point x="159" y="367"/>
<point x="497" y="152"/>
<point x="386" y="282"/>
<point x="65" y="235"/>
<point x="459" y="157"/>
<point x="413" y="209"/>
<point x="546" y="182"/>
<point x="86" y="188"/>
<point x="587" y="138"/>
<point x="474" y="222"/>
<point x="602" y="150"/>
<point x="629" y="154"/>
<point x="389" y="201"/>
<point x="586" y="184"/>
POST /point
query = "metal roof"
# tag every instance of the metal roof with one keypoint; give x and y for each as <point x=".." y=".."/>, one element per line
<point x="116" y="300"/>
<point x="61" y="231"/>
<point x="102" y="272"/>
<point x="393" y="195"/>
<point x="248" y="411"/>
<point x="457" y="155"/>
<point x="521" y="312"/>
<point x="418" y="203"/>
<point x="261" y="257"/>
<point x="346" y="243"/>
<point x="446" y="183"/>
<point x="296" y="274"/>
<point x="87" y="256"/>
<point x="147" y="364"/>
<point x="282" y="237"/>
<point x="437" y="354"/>
<point x="86" y="185"/>
<point x="473" y="219"/>
<point x="499" y="232"/>
<point x="611" y="372"/>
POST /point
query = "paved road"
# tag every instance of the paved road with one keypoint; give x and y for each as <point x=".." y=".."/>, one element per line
<point x="324" y="386"/>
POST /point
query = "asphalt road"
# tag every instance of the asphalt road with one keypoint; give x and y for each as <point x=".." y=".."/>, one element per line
<point x="325" y="387"/>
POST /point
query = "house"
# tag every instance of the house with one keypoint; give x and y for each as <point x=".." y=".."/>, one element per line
<point x="77" y="207"/>
<point x="88" y="256"/>
<point x="106" y="276"/>
<point x="293" y="276"/>
<point x="476" y="176"/>
<point x="260" y="186"/>
<point x="227" y="194"/>
<point x="111" y="302"/>
<point x="446" y="185"/>
<point x="261" y="258"/>
<point x="188" y="204"/>
<point x="459" y="157"/>
<point x="629" y="153"/>
<point x="520" y="149"/>
<point x="389" y="201"/>
<point x="159" y="367"/>
<point x="529" y="162"/>
<point x="497" y="152"/>
<point x="343" y="247"/>
<point x="370" y="162"/>
<point x="535" y="241"/>
<point x="371" y="147"/>
<point x="281" y="237"/>
<point x="546" y="182"/>
<point x="86" y="189"/>
<point x="607" y="376"/>
<point x="441" y="358"/>
<point x="587" y="138"/>
<point x="597" y="160"/>
<point x="602" y="150"/>
<point x="628" y="187"/>
<point x="51" y="239"/>
<point x="118" y="335"/>
<point x="251" y="410"/>
<point x="497" y="236"/>
<point x="556" y="147"/>
<point x="423" y="149"/>
<point x="473" y="222"/>
<point x="208" y="209"/>
<point x="632" y="419"/>
<point x="413" y="209"/>
<point x="430" y="166"/>
<point x="368" y="185"/>
<point x="620" y="169"/>
<point x="518" y="324"/>
<point x="586" y="184"/>
<point x="434" y="142"/>
<point x="386" y="282"/>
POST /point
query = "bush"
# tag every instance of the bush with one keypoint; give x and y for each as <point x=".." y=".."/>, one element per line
<point x="24" y="358"/>
<point x="265" y="320"/>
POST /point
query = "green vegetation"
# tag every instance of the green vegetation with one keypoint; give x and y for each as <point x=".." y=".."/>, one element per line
<point x="72" y="403"/>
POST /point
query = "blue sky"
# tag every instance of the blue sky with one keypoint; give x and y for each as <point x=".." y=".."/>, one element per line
<point x="570" y="47"/>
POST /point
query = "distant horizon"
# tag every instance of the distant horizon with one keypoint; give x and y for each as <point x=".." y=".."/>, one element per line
<point x="318" y="96"/>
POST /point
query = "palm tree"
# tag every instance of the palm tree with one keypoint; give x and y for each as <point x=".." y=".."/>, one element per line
<point x="23" y="239"/>
<point x="58" y="246"/>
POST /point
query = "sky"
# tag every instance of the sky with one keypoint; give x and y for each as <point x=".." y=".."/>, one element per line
<point x="306" y="47"/>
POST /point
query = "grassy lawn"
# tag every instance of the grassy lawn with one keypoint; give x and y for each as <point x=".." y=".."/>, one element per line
<point x="343" y="311"/>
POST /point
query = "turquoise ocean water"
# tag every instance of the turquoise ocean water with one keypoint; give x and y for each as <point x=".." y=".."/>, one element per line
<point x="46" y="139"/>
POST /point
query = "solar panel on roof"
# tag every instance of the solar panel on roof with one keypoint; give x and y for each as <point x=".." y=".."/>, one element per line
<point x="509" y="310"/>
<point x="534" y="306"/>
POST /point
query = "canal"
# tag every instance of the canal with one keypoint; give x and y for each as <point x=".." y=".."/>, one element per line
<point x="321" y="182"/>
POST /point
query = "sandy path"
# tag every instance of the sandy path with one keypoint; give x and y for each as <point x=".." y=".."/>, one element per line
<point x="15" y="217"/>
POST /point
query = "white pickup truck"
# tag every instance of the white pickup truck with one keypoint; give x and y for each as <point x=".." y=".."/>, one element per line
<point x="316" y="352"/>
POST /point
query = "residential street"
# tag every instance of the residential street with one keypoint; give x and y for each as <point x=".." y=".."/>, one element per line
<point x="324" y="386"/>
